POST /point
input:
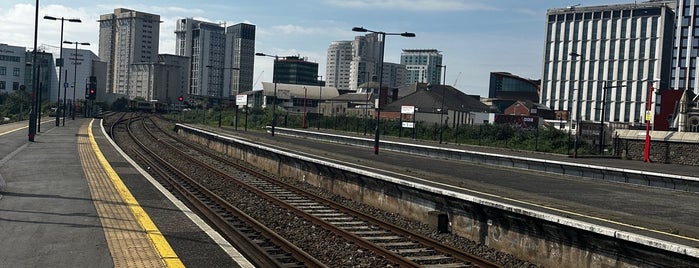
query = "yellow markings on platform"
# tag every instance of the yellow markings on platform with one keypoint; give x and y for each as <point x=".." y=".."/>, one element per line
<point x="167" y="254"/>
<point x="13" y="130"/>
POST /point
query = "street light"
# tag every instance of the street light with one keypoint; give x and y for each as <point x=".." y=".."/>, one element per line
<point x="59" y="62"/>
<point x="441" y="111"/>
<point x="601" y="123"/>
<point x="75" y="77"/>
<point x="320" y="98"/>
<point x="577" y="108"/>
<point x="380" y="73"/>
<point x="274" y="79"/>
<point x="220" y="94"/>
<point x="32" y="114"/>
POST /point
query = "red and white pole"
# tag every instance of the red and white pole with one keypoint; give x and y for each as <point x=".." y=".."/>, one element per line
<point x="646" y="151"/>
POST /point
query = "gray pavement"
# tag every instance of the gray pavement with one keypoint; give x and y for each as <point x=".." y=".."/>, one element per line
<point x="47" y="216"/>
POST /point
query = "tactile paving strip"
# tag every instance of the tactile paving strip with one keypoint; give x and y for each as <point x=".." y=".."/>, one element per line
<point x="128" y="241"/>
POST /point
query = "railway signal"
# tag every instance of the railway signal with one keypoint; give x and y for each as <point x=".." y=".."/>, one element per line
<point x="180" y="98"/>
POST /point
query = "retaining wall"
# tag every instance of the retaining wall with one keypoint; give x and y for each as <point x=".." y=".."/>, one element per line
<point x="540" y="238"/>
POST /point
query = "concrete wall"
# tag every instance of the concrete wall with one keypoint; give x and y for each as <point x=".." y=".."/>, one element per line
<point x="666" y="146"/>
<point x="547" y="240"/>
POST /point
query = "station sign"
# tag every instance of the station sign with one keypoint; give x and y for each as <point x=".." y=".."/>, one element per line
<point x="407" y="109"/>
<point x="408" y="125"/>
<point x="241" y="99"/>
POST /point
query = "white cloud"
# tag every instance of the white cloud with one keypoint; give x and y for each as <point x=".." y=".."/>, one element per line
<point x="414" y="5"/>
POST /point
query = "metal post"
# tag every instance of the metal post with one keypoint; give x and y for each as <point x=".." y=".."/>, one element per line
<point x="75" y="81"/>
<point x="65" y="103"/>
<point x="441" y="111"/>
<point x="60" y="68"/>
<point x="577" y="108"/>
<point x="305" y="96"/>
<point x="601" y="120"/>
<point x="320" y="98"/>
<point x="32" y="114"/>
<point x="646" y="151"/>
<point x="378" y="105"/>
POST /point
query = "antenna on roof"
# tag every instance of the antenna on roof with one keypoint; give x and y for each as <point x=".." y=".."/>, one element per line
<point x="573" y="6"/>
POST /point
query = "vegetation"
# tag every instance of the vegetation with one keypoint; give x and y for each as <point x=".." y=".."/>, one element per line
<point x="15" y="107"/>
<point x="545" y="139"/>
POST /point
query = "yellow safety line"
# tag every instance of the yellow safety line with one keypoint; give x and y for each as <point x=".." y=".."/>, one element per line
<point x="166" y="252"/>
<point x="10" y="131"/>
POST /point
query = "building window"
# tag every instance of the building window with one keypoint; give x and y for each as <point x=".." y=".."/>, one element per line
<point x="2" y="85"/>
<point x="15" y="72"/>
<point x="3" y="70"/>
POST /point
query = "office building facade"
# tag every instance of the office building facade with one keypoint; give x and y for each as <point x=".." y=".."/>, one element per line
<point x="421" y="65"/>
<point x="127" y="37"/>
<point x="296" y="70"/>
<point x="611" y="53"/>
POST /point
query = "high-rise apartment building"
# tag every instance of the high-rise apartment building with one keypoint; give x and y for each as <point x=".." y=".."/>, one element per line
<point x="338" y="64"/>
<point x="366" y="57"/>
<point x="127" y="37"/>
<point x="205" y="44"/>
<point x="421" y="65"/>
<point x="221" y="59"/>
<point x="353" y="63"/>
<point x="620" y="47"/>
<point x="240" y="55"/>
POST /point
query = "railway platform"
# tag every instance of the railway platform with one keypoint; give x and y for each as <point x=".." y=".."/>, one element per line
<point x="71" y="199"/>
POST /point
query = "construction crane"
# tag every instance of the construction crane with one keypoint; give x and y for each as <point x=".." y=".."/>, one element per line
<point x="258" y="78"/>
<point x="457" y="79"/>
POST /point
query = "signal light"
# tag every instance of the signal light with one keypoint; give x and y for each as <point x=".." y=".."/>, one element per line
<point x="180" y="98"/>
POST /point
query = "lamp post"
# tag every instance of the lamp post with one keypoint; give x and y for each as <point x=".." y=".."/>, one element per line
<point x="274" y="79"/>
<point x="75" y="76"/>
<point x="577" y="108"/>
<point x="601" y="123"/>
<point x="380" y="73"/>
<point x="35" y="76"/>
<point x="320" y="98"/>
<point x="59" y="62"/>
<point x="441" y="111"/>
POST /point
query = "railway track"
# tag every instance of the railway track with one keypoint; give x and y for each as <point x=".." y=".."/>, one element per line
<point x="399" y="247"/>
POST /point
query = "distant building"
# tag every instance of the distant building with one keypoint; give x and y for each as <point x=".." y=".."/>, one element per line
<point x="79" y="66"/>
<point x="162" y="81"/>
<point x="240" y="53"/>
<point x="686" y="46"/>
<point x="366" y="57"/>
<point x="435" y="102"/>
<point x="506" y="88"/>
<point x="339" y="59"/>
<point x="625" y="44"/>
<point x="221" y="59"/>
<point x="127" y="37"/>
<point x="295" y="70"/>
<point x="511" y="87"/>
<point x="13" y="68"/>
<point x="421" y="65"/>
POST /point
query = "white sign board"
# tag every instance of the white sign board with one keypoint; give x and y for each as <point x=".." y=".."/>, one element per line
<point x="241" y="99"/>
<point x="408" y="124"/>
<point x="405" y="109"/>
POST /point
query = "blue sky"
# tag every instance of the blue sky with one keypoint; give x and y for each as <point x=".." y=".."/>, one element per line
<point x="476" y="37"/>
